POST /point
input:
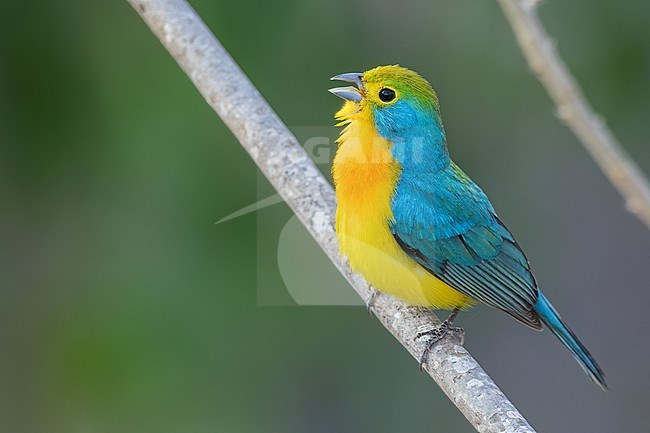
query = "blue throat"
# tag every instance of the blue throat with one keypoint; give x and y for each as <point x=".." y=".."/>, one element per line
<point x="417" y="136"/>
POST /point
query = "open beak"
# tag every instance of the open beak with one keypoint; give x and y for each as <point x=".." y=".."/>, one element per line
<point x="349" y="93"/>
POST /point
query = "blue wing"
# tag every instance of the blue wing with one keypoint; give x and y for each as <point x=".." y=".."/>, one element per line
<point x="446" y="223"/>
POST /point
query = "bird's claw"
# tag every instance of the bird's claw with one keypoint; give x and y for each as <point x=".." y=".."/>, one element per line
<point x="436" y="334"/>
<point x="459" y="333"/>
<point x="370" y="303"/>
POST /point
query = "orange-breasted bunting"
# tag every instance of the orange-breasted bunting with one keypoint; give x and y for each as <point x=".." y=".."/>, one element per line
<point x="414" y="224"/>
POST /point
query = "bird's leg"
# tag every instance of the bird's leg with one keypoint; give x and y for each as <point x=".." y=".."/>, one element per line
<point x="370" y="303"/>
<point x="437" y="333"/>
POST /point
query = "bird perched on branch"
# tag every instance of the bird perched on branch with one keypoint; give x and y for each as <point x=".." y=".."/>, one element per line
<point x="414" y="224"/>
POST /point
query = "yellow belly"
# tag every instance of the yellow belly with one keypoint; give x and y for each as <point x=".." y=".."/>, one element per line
<point x="365" y="175"/>
<point x="373" y="252"/>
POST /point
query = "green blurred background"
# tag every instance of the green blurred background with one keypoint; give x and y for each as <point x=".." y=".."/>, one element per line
<point x="123" y="307"/>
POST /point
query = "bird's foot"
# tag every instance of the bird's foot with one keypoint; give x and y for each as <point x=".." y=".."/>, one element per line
<point x="436" y="334"/>
<point x="370" y="303"/>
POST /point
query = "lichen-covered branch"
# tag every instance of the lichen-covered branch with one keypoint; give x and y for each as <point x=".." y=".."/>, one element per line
<point x="286" y="165"/>
<point x="573" y="108"/>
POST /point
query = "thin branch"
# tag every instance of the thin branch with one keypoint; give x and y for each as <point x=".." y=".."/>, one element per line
<point x="573" y="108"/>
<point x="286" y="165"/>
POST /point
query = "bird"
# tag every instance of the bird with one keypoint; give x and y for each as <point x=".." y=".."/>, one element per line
<point x="415" y="225"/>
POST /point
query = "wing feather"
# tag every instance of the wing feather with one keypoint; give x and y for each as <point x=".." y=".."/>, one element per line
<point x="453" y="232"/>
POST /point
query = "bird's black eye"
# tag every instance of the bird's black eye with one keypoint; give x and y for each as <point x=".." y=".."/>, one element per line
<point x="386" y="94"/>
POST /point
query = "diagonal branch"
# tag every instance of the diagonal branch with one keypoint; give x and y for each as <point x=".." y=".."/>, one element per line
<point x="574" y="110"/>
<point x="286" y="165"/>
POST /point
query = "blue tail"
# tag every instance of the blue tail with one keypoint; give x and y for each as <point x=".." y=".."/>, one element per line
<point x="553" y="320"/>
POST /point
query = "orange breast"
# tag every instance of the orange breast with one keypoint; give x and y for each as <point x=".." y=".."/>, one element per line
<point x="365" y="175"/>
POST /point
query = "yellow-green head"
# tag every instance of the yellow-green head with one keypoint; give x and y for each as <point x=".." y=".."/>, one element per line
<point x="386" y="86"/>
<point x="403" y="109"/>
